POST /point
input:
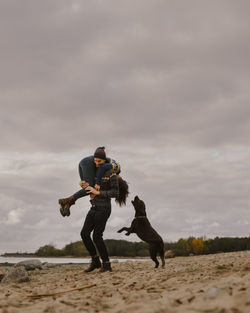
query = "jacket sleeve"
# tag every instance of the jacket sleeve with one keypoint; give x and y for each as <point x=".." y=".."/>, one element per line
<point x="113" y="192"/>
<point x="101" y="170"/>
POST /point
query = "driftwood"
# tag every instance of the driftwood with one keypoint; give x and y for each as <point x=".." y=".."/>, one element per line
<point x="59" y="293"/>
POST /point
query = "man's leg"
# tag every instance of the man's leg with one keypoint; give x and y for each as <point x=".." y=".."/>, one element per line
<point x="79" y="194"/>
<point x="85" y="235"/>
<point x="87" y="171"/>
<point x="101" y="218"/>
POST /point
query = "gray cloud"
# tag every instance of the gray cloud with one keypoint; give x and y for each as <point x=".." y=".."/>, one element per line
<point x="164" y="85"/>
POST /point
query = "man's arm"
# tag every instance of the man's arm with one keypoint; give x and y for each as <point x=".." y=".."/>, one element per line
<point x="101" y="170"/>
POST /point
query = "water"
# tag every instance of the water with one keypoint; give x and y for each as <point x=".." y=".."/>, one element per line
<point x="61" y="260"/>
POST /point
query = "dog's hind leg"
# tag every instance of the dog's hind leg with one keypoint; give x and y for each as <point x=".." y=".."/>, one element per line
<point x="153" y="254"/>
<point x="161" y="252"/>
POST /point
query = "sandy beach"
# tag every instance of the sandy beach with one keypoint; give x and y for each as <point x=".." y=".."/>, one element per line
<point x="213" y="283"/>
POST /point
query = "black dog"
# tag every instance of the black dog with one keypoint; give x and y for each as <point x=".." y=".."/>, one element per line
<point x="141" y="226"/>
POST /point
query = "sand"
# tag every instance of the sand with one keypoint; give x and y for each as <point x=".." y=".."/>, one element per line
<point x="214" y="283"/>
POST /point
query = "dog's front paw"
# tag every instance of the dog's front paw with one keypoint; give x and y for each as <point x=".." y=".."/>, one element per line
<point x="119" y="231"/>
<point x="127" y="234"/>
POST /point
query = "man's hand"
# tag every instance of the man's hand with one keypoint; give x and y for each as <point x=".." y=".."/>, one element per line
<point x="92" y="190"/>
<point x="97" y="187"/>
<point x="83" y="184"/>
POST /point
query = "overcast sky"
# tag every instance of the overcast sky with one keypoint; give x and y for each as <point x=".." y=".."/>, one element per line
<point x="163" y="85"/>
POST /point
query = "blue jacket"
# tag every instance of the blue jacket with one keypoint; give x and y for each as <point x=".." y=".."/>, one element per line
<point x="110" y="164"/>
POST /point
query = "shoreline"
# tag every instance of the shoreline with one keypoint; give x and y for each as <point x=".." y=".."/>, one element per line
<point x="70" y="256"/>
<point x="12" y="261"/>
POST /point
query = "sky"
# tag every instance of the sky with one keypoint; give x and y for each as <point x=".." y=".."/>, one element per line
<point x="163" y="85"/>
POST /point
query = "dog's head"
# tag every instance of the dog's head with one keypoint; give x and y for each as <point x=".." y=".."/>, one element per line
<point x="139" y="205"/>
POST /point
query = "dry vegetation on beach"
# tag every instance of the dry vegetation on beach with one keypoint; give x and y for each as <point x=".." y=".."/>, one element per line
<point x="187" y="284"/>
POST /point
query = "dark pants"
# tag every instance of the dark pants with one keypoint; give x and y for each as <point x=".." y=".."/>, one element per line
<point x="87" y="172"/>
<point x="95" y="221"/>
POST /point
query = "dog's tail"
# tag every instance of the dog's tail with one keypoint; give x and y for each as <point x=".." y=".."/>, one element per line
<point x="162" y="254"/>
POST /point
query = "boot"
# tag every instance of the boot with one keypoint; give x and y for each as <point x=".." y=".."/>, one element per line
<point x="65" y="204"/>
<point x="95" y="263"/>
<point x="106" y="267"/>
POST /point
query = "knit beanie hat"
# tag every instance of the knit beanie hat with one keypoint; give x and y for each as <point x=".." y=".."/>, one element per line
<point x="100" y="153"/>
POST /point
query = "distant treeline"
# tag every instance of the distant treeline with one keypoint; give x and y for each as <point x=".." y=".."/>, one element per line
<point x="123" y="248"/>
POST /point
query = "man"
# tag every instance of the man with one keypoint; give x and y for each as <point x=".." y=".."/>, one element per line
<point x="90" y="175"/>
<point x="98" y="215"/>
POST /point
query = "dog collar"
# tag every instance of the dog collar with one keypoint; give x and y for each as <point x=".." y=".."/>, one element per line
<point x="140" y="216"/>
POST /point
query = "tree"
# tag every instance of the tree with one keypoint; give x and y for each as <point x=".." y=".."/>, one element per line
<point x="198" y="246"/>
<point x="49" y="250"/>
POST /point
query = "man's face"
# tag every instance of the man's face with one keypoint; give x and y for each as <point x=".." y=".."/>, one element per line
<point x="98" y="162"/>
